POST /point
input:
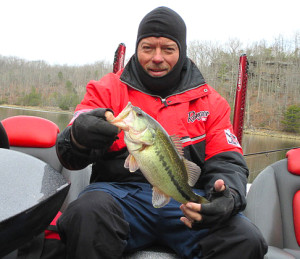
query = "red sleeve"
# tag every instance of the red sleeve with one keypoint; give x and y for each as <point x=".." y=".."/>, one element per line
<point x="219" y="131"/>
<point x="108" y="92"/>
<point x="99" y="94"/>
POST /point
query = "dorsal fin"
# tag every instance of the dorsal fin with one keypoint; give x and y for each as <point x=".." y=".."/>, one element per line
<point x="177" y="144"/>
<point x="193" y="172"/>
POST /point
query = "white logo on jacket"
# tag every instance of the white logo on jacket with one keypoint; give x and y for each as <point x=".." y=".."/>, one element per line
<point x="200" y="116"/>
<point x="231" y="138"/>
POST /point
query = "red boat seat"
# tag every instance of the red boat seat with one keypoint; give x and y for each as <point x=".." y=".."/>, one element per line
<point x="273" y="204"/>
<point x="294" y="161"/>
<point x="34" y="136"/>
<point x="30" y="131"/>
<point x="296" y="212"/>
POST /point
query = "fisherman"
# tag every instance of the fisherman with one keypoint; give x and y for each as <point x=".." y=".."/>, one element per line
<point x="114" y="214"/>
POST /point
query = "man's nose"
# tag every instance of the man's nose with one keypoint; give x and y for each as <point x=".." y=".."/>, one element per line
<point x="158" y="56"/>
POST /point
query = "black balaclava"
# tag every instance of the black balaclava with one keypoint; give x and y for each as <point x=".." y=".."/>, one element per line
<point x="162" y="22"/>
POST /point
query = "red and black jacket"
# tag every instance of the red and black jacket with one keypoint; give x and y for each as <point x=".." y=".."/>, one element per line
<point x="194" y="111"/>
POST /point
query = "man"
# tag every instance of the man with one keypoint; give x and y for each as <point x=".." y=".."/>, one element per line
<point x="114" y="214"/>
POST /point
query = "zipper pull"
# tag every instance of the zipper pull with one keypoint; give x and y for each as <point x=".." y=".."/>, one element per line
<point x="164" y="101"/>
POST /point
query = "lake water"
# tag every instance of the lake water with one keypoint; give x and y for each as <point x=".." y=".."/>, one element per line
<point x="60" y="118"/>
<point x="251" y="143"/>
<point x="255" y="143"/>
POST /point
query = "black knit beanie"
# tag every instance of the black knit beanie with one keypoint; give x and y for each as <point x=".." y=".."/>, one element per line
<point x="162" y="22"/>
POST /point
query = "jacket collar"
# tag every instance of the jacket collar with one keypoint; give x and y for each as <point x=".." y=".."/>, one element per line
<point x="191" y="78"/>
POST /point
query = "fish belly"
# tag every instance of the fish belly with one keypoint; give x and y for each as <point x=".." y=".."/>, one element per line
<point x="166" y="171"/>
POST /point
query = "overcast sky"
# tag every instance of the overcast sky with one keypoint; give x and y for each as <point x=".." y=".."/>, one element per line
<point x="77" y="32"/>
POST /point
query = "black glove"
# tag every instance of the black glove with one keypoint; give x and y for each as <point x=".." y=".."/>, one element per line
<point x="92" y="131"/>
<point x="218" y="210"/>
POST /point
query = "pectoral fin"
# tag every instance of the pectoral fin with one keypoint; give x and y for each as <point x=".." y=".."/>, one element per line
<point x="193" y="171"/>
<point x="177" y="144"/>
<point x="131" y="163"/>
<point x="159" y="199"/>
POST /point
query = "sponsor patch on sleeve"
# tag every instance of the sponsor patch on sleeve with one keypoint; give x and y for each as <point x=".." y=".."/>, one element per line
<point x="231" y="138"/>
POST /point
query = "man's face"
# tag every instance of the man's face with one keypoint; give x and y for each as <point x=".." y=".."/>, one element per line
<point x="157" y="55"/>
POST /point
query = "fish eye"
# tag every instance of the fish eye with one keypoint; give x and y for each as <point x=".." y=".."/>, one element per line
<point x="139" y="112"/>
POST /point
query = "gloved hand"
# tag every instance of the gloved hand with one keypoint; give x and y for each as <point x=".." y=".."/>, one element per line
<point x="90" y="130"/>
<point x="219" y="209"/>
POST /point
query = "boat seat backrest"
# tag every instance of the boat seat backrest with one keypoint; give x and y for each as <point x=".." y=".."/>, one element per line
<point x="34" y="136"/>
<point x="272" y="202"/>
<point x="37" y="136"/>
<point x="264" y="191"/>
<point x="79" y="179"/>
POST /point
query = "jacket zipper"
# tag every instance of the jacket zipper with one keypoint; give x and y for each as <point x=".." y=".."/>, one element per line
<point x="164" y="101"/>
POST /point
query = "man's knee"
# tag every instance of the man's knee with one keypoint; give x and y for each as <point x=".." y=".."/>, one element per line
<point x="93" y="202"/>
<point x="248" y="240"/>
<point x="90" y="210"/>
<point x="235" y="238"/>
<point x="256" y="243"/>
<point x="91" y="224"/>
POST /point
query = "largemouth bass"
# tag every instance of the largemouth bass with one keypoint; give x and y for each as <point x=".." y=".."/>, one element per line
<point x="159" y="157"/>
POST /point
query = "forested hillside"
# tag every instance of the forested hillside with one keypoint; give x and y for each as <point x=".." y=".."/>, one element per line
<point x="36" y="83"/>
<point x="273" y="97"/>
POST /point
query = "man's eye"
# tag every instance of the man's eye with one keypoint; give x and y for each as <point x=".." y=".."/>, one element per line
<point x="146" y="47"/>
<point x="169" y="50"/>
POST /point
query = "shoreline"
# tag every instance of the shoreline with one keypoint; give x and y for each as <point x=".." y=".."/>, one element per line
<point x="37" y="108"/>
<point x="271" y="133"/>
<point x="257" y="131"/>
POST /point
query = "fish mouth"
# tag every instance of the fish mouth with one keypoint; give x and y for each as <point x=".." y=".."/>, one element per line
<point x="124" y="113"/>
<point x="125" y="119"/>
<point x="119" y="121"/>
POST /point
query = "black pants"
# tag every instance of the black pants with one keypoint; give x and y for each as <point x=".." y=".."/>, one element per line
<point x="108" y="220"/>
